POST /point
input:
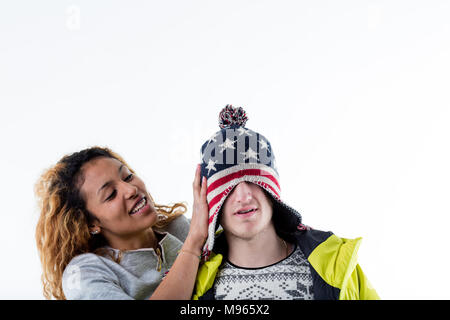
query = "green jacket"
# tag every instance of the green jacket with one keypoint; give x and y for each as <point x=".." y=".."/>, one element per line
<point x="333" y="262"/>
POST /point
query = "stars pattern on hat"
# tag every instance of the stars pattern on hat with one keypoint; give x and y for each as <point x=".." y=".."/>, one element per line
<point x="213" y="138"/>
<point x="242" y="130"/>
<point x="211" y="165"/>
<point x="250" y="154"/>
<point x="228" y="144"/>
<point x="214" y="149"/>
<point x="263" y="144"/>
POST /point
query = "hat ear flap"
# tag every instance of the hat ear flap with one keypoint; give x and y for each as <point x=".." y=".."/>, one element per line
<point x="219" y="217"/>
<point x="284" y="220"/>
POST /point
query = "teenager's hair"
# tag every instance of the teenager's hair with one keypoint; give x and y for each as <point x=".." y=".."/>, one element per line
<point x="62" y="231"/>
<point x="285" y="224"/>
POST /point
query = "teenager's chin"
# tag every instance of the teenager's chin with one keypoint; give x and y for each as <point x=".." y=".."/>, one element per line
<point x="244" y="234"/>
<point x="250" y="231"/>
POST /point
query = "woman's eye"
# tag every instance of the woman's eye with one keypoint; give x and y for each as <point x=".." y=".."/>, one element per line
<point x="111" y="196"/>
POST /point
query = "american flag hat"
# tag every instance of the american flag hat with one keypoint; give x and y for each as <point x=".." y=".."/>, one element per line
<point x="232" y="155"/>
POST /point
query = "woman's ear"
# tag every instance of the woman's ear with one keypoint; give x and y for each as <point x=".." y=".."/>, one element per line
<point x="93" y="230"/>
<point x="94" y="227"/>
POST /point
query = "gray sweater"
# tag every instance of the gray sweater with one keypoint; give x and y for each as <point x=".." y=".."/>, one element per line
<point x="91" y="276"/>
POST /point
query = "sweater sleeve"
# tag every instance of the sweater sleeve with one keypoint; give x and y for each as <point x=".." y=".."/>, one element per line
<point x="88" y="278"/>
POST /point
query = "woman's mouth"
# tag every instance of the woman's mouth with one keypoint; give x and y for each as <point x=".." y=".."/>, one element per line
<point x="140" y="206"/>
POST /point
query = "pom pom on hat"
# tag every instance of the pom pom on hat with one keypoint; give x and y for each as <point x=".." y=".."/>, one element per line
<point x="231" y="116"/>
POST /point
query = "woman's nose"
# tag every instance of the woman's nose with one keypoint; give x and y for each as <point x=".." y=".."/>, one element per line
<point x="130" y="190"/>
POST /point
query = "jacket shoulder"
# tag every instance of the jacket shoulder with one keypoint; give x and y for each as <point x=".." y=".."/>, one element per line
<point x="335" y="260"/>
<point x="309" y="239"/>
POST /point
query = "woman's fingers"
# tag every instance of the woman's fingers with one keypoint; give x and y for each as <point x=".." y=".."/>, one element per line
<point x="199" y="221"/>
<point x="199" y="189"/>
<point x="203" y="190"/>
<point x="196" y="183"/>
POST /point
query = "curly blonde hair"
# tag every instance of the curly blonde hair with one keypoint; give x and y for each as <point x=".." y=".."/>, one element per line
<point x="62" y="230"/>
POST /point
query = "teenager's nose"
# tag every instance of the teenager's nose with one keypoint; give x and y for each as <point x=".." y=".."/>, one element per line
<point x="243" y="192"/>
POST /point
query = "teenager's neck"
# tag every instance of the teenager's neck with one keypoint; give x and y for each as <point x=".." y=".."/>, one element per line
<point x="264" y="249"/>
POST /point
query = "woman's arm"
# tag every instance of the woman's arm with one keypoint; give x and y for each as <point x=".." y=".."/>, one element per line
<point x="179" y="282"/>
<point x="87" y="277"/>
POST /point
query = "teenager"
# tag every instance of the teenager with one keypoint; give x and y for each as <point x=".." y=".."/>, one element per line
<point x="262" y="250"/>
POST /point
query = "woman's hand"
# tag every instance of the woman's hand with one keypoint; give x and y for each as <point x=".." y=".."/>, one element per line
<point x="198" y="231"/>
<point x="179" y="282"/>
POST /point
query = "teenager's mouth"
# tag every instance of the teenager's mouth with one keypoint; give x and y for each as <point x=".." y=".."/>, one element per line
<point x="139" y="206"/>
<point x="246" y="211"/>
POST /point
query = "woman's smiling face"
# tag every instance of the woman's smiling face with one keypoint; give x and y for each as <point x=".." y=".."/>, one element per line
<point x="117" y="198"/>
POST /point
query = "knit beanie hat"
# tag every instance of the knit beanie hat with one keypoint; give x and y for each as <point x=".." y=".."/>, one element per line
<point x="235" y="154"/>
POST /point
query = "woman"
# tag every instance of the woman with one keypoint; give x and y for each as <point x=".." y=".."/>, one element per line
<point x="100" y="235"/>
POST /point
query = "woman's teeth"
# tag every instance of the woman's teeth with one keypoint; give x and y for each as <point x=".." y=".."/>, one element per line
<point x="139" y="206"/>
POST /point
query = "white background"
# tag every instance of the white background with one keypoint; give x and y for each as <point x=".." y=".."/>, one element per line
<point x="353" y="96"/>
